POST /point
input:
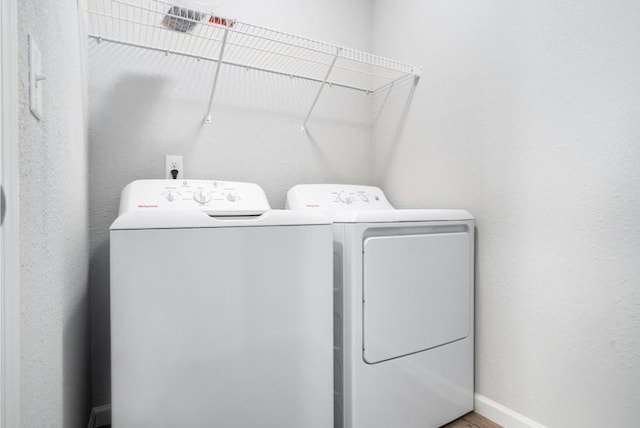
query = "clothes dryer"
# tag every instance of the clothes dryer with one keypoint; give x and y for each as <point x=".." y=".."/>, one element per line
<point x="403" y="308"/>
<point x="220" y="309"/>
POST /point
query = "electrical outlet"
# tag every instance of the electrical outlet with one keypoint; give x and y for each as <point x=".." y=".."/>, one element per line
<point x="173" y="163"/>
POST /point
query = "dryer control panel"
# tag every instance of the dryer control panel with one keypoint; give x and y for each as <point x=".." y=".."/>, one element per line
<point x="214" y="197"/>
<point x="336" y="197"/>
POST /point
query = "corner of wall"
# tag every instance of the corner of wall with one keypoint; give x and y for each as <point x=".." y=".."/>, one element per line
<point x="54" y="236"/>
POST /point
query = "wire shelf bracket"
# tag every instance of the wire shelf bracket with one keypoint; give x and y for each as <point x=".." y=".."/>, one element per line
<point x="217" y="75"/>
<point x="324" y="82"/>
<point x="162" y="26"/>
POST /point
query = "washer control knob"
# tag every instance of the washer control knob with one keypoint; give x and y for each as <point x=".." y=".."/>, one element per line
<point x="347" y="199"/>
<point x="232" y="197"/>
<point x="344" y="198"/>
<point x="364" y="197"/>
<point x="201" y="196"/>
<point x="172" y="196"/>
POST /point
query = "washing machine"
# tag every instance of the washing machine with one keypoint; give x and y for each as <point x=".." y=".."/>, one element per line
<point x="221" y="309"/>
<point x="404" y="312"/>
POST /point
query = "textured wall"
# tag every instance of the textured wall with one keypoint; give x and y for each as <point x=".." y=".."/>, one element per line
<point x="54" y="238"/>
<point x="144" y="105"/>
<point x="528" y="115"/>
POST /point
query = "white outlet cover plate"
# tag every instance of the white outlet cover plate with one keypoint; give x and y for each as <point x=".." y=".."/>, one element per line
<point x="171" y="162"/>
<point x="35" y="86"/>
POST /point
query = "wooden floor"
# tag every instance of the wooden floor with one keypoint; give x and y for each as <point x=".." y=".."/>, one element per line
<point x="472" y="420"/>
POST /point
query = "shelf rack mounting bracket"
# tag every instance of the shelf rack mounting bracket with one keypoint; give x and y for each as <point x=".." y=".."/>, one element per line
<point x="217" y="75"/>
<point x="324" y="82"/>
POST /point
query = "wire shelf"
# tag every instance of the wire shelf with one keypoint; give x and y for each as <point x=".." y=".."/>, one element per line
<point x="174" y="29"/>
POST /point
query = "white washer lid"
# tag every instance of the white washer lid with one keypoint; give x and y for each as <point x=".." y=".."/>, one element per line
<point x="197" y="219"/>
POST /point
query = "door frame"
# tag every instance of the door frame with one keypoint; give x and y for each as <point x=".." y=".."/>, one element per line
<point x="9" y="238"/>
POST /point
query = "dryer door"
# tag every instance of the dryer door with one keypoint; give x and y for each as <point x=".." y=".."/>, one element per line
<point x="416" y="293"/>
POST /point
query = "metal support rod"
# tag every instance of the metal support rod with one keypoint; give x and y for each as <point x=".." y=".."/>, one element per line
<point x="215" y="79"/>
<point x="405" y="110"/>
<point x="384" y="102"/>
<point x="324" y="82"/>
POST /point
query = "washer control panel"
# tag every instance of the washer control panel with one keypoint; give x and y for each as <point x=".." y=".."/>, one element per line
<point x="336" y="197"/>
<point x="223" y="198"/>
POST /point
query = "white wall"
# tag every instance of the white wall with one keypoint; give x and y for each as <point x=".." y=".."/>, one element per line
<point x="144" y="105"/>
<point x="528" y="115"/>
<point x="54" y="238"/>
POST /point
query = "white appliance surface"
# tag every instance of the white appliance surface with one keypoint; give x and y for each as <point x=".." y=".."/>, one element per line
<point x="428" y="285"/>
<point x="403" y="302"/>
<point x="209" y="196"/>
<point x="219" y="321"/>
<point x="333" y="198"/>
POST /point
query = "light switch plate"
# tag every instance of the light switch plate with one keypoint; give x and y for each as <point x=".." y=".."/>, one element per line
<point x="35" y="79"/>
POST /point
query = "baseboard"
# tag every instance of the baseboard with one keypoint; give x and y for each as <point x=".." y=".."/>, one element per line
<point x="502" y="415"/>
<point x="100" y="416"/>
